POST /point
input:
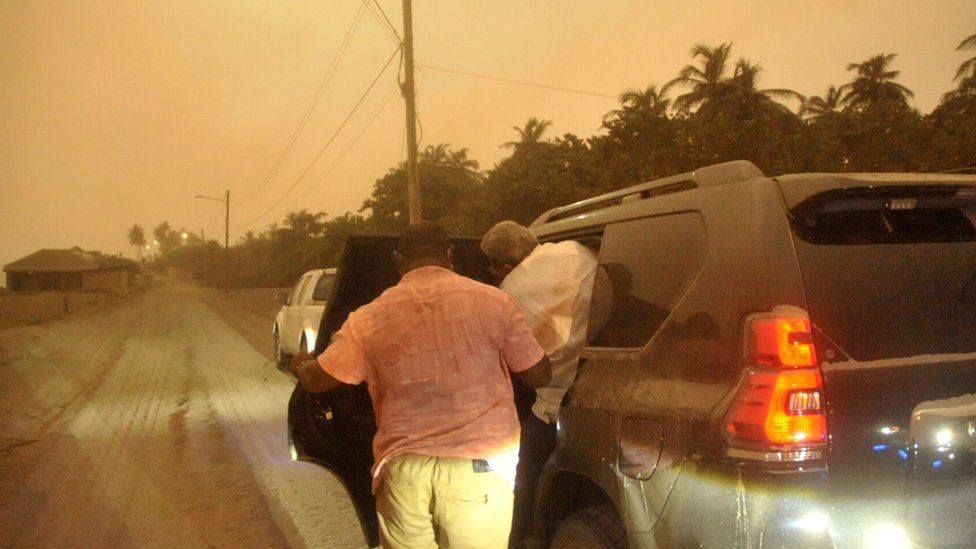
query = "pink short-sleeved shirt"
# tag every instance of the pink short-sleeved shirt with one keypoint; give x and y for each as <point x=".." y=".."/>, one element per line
<point x="436" y="351"/>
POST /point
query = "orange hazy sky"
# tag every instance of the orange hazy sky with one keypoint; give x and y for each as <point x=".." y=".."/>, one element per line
<point x="117" y="112"/>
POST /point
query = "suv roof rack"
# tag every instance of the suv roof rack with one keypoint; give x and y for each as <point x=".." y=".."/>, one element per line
<point x="709" y="176"/>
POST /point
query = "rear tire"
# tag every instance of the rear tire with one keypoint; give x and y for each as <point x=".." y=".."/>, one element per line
<point x="590" y="528"/>
<point x="281" y="358"/>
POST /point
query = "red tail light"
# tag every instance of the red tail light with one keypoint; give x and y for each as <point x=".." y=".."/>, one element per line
<point x="780" y="406"/>
<point x="785" y="342"/>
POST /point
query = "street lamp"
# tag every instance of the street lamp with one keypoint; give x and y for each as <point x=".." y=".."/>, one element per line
<point x="226" y="203"/>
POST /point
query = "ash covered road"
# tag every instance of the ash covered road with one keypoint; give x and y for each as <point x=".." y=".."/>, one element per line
<point x="154" y="423"/>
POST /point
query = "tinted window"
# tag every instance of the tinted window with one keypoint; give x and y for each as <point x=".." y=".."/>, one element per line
<point x="890" y="284"/>
<point x="323" y="288"/>
<point x="887" y="227"/>
<point x="648" y="265"/>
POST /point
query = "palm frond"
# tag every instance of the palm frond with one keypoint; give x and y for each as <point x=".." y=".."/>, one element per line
<point x="905" y="91"/>
<point x="692" y="72"/>
<point x="968" y="43"/>
<point x="966" y="69"/>
<point x="782" y="93"/>
<point x="685" y="103"/>
<point x="679" y="81"/>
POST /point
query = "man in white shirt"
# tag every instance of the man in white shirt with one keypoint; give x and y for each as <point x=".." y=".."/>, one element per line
<point x="553" y="284"/>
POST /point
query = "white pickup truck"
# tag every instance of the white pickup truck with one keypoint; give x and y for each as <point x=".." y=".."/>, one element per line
<point x="297" y="324"/>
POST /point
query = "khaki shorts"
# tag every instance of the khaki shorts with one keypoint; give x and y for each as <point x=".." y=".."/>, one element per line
<point x="426" y="502"/>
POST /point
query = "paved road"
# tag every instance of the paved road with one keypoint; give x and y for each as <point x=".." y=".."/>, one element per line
<point x="155" y="423"/>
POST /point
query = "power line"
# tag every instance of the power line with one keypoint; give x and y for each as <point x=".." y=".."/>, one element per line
<point x="352" y="143"/>
<point x="517" y="82"/>
<point x="387" y="19"/>
<point x="326" y="79"/>
<point x="385" y="22"/>
<point x="327" y="144"/>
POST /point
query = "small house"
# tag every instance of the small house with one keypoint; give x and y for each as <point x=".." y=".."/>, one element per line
<point x="71" y="270"/>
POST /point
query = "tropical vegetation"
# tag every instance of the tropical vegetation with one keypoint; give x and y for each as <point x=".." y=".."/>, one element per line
<point x="715" y="110"/>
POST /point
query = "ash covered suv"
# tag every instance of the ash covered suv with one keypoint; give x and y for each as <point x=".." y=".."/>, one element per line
<point x="788" y="361"/>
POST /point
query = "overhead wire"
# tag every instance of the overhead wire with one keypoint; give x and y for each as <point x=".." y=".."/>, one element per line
<point x="517" y="82"/>
<point x="327" y="144"/>
<point x="323" y="84"/>
<point x="386" y="100"/>
<point x="384" y="22"/>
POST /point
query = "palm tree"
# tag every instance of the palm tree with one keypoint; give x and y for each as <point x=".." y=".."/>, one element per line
<point x="434" y="155"/>
<point x="304" y="223"/>
<point x="966" y="89"/>
<point x="968" y="67"/>
<point x="817" y="107"/>
<point x="530" y="133"/>
<point x="166" y="237"/>
<point x="746" y="80"/>
<point x="459" y="159"/>
<point x="137" y="237"/>
<point x="705" y="79"/>
<point x="740" y="97"/>
<point x="441" y="155"/>
<point x="635" y="101"/>
<point x="874" y="83"/>
<point x="966" y="75"/>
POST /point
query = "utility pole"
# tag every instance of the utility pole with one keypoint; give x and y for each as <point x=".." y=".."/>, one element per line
<point x="413" y="178"/>
<point x="226" y="228"/>
<point x="226" y="202"/>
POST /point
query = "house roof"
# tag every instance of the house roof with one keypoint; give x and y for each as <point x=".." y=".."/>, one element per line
<point x="70" y="260"/>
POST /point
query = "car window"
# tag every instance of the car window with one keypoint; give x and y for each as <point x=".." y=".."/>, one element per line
<point x="890" y="283"/>
<point x="323" y="288"/>
<point x="646" y="266"/>
<point x="295" y="297"/>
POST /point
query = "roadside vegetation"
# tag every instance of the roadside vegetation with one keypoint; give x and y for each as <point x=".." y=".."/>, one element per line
<point x="715" y="110"/>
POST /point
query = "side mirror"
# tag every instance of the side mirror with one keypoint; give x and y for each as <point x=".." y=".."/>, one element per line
<point x="282" y="297"/>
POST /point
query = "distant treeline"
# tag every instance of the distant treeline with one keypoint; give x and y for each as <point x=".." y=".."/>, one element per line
<point x="714" y="111"/>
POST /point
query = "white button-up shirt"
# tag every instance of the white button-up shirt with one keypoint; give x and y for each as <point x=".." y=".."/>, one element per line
<point x="553" y="286"/>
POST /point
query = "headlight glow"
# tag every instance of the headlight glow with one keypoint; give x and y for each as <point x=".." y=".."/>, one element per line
<point x="943" y="437"/>
<point x="814" y="522"/>
<point x="886" y="536"/>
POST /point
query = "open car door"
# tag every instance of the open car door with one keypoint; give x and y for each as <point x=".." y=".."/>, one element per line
<point x="336" y="429"/>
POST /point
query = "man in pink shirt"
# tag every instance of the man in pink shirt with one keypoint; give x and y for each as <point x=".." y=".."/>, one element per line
<point x="436" y="352"/>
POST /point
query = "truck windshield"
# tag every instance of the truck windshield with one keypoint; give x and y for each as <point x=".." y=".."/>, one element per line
<point x="890" y="273"/>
